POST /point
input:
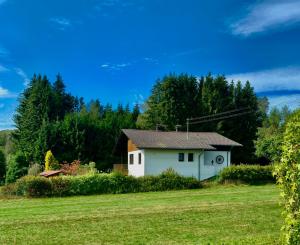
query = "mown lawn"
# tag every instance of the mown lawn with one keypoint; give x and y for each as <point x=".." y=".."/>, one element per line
<point x="216" y="215"/>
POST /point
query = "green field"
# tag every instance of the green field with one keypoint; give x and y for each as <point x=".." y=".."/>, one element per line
<point x="215" y="215"/>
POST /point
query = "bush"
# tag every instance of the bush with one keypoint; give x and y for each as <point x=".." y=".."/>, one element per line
<point x="16" y="168"/>
<point x="99" y="184"/>
<point x="250" y="174"/>
<point x="35" y="169"/>
<point x="2" y="167"/>
<point x="33" y="186"/>
<point x="50" y="162"/>
<point x="9" y="189"/>
<point x="168" y="180"/>
<point x="288" y="179"/>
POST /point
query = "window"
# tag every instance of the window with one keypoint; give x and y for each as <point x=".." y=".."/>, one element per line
<point x="191" y="157"/>
<point x="131" y="159"/>
<point x="181" y="157"/>
<point x="140" y="158"/>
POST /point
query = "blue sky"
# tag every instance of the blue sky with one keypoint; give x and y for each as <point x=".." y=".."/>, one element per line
<point x="115" y="50"/>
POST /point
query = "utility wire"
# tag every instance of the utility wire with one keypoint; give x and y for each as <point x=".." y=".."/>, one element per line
<point x="221" y="118"/>
<point x="221" y="113"/>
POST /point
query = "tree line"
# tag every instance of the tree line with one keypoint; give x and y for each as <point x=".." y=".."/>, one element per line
<point x="49" y="118"/>
<point x="176" y="98"/>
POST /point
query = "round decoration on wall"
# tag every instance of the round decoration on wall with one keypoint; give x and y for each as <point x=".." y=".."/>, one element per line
<point x="219" y="159"/>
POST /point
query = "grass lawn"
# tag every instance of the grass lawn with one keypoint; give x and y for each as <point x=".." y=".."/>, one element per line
<point x="216" y="215"/>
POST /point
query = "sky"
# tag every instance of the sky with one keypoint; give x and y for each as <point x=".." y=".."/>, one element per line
<point x="115" y="50"/>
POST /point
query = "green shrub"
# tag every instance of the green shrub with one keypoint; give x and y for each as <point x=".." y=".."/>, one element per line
<point x="9" y="189"/>
<point x="60" y="186"/>
<point x="100" y="184"/>
<point x="2" y="167"/>
<point x="250" y="174"/>
<point x="17" y="167"/>
<point x="33" y="186"/>
<point x="288" y="179"/>
<point x="35" y="169"/>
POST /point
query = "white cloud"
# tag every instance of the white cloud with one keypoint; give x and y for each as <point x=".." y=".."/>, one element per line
<point x="115" y="67"/>
<point x="3" y="68"/>
<point x="287" y="78"/>
<point x="61" y="22"/>
<point x="151" y="60"/>
<point x="5" y="93"/>
<point x="267" y="15"/>
<point x="23" y="75"/>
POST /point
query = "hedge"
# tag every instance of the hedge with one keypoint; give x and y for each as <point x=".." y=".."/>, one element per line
<point x="32" y="186"/>
<point x="250" y="174"/>
<point x="287" y="173"/>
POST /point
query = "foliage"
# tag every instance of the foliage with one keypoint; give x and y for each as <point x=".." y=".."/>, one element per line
<point x="270" y="136"/>
<point x="35" y="169"/>
<point x="251" y="174"/>
<point x="6" y="142"/>
<point x="50" y="161"/>
<point x="288" y="179"/>
<point x="40" y="105"/>
<point x="50" y="118"/>
<point x="101" y="184"/>
<point x="2" y="167"/>
<point x="72" y="168"/>
<point x="176" y="98"/>
<point x="17" y="167"/>
<point x="33" y="186"/>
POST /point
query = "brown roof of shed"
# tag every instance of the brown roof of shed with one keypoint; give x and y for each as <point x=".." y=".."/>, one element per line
<point x="51" y="173"/>
<point x="177" y="140"/>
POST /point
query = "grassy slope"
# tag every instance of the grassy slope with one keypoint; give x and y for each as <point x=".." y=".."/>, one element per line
<point x="223" y="214"/>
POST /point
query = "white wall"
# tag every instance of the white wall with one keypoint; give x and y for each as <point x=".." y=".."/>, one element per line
<point x="156" y="161"/>
<point x="209" y="167"/>
<point x="136" y="169"/>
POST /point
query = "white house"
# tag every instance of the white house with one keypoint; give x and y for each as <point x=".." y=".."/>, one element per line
<point x="198" y="154"/>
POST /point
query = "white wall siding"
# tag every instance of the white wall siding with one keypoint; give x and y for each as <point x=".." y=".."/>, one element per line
<point x="136" y="169"/>
<point x="209" y="167"/>
<point x="156" y="161"/>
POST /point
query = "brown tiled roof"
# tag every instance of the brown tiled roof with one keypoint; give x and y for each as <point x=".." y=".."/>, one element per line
<point x="177" y="140"/>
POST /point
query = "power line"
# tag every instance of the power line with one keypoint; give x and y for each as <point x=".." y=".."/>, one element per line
<point x="222" y="118"/>
<point x="218" y="116"/>
<point x="221" y="113"/>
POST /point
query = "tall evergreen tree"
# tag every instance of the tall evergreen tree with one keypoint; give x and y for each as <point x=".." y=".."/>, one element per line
<point x="176" y="98"/>
<point x="34" y="109"/>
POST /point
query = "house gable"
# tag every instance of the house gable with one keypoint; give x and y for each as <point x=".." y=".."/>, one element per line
<point x="131" y="146"/>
